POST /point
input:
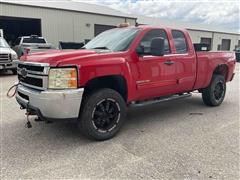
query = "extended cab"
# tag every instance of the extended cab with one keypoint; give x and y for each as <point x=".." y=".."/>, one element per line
<point x="121" y="67"/>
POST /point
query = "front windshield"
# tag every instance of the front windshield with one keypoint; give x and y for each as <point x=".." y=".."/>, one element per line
<point x="118" y="39"/>
<point x="3" y="43"/>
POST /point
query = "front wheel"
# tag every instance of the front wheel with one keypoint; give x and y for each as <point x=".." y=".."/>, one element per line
<point x="214" y="94"/>
<point x="102" y="114"/>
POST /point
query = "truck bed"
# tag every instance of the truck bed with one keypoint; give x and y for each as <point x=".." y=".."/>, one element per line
<point x="209" y="61"/>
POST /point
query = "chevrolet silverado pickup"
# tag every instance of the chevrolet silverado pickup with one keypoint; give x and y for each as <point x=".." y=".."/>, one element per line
<point x="122" y="67"/>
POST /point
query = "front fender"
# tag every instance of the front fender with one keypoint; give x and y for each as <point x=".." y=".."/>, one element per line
<point x="107" y="67"/>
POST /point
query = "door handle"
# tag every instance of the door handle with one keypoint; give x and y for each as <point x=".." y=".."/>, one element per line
<point x="169" y="62"/>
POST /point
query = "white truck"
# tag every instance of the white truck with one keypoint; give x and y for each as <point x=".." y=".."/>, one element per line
<point x="1" y="33"/>
<point x="8" y="57"/>
<point x="30" y="44"/>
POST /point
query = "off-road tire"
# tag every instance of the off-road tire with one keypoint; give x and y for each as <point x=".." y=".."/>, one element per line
<point x="86" y="122"/>
<point x="209" y="94"/>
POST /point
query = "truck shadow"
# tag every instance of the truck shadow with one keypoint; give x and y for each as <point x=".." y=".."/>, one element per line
<point x="137" y="117"/>
<point x="68" y="132"/>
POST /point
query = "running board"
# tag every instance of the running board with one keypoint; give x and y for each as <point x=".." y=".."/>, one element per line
<point x="159" y="100"/>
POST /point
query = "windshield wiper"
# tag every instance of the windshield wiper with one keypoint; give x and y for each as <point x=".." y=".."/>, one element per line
<point x="103" y="47"/>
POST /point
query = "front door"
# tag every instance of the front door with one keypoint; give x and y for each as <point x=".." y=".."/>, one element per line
<point x="156" y="73"/>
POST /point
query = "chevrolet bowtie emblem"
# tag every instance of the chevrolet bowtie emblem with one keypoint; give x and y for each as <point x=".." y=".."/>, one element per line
<point x="23" y="72"/>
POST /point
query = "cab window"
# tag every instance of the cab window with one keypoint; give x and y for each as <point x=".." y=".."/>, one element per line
<point x="146" y="41"/>
<point x="179" y="41"/>
<point x="17" y="42"/>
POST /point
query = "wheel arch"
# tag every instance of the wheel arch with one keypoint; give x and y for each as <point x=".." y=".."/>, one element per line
<point x="115" y="82"/>
<point x="221" y="69"/>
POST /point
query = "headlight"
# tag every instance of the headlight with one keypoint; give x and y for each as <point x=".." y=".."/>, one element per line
<point x="14" y="56"/>
<point x="62" y="78"/>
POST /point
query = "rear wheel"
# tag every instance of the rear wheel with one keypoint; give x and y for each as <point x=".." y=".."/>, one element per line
<point x="214" y="94"/>
<point x="102" y="114"/>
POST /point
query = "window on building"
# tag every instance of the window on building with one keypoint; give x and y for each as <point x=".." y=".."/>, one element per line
<point x="207" y="41"/>
<point x="146" y="40"/>
<point x="179" y="41"/>
<point x="226" y="43"/>
<point x="238" y="45"/>
<point x="99" y="28"/>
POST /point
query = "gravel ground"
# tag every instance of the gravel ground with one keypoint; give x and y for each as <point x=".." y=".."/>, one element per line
<point x="182" y="139"/>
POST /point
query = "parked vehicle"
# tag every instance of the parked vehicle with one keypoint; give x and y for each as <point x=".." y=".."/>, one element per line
<point x="1" y="33"/>
<point x="70" y="45"/>
<point x="30" y="44"/>
<point x="8" y="57"/>
<point x="130" y="66"/>
<point x="237" y="51"/>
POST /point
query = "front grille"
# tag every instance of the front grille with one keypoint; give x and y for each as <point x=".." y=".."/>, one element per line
<point x="31" y="68"/>
<point x="33" y="75"/>
<point x="4" y="57"/>
<point x="31" y="81"/>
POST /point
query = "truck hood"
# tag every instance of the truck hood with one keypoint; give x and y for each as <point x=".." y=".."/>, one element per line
<point x="7" y="51"/>
<point x="54" y="57"/>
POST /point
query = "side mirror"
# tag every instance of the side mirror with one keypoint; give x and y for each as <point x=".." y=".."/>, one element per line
<point x="140" y="50"/>
<point x="157" y="46"/>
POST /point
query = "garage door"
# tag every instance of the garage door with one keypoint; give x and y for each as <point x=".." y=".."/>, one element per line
<point x="207" y="41"/>
<point x="226" y="43"/>
<point x="99" y="28"/>
<point x="14" y="27"/>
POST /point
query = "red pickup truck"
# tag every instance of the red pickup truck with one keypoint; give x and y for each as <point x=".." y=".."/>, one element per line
<point x="126" y="66"/>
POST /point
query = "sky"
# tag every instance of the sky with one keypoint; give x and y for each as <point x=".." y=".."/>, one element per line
<point x="221" y="13"/>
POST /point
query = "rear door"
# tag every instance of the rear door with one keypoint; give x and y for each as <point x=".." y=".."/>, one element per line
<point x="156" y="73"/>
<point x="185" y="61"/>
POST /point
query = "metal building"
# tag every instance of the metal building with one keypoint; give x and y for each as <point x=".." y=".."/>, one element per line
<point x="78" y="22"/>
<point x="216" y="37"/>
<point x="58" y="21"/>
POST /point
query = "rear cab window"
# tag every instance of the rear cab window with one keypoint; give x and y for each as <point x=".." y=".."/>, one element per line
<point x="146" y="40"/>
<point x="34" y="40"/>
<point x="17" y="42"/>
<point x="180" y="42"/>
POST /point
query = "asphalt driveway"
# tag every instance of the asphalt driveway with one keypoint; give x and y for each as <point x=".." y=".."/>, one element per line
<point x="181" y="139"/>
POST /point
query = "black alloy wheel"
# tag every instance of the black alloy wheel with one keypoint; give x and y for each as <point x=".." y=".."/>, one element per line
<point x="106" y="115"/>
<point x="214" y="94"/>
<point x="102" y="114"/>
<point x="219" y="90"/>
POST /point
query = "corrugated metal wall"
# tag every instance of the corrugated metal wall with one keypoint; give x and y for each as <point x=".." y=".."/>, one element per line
<point x="61" y="25"/>
<point x="216" y="38"/>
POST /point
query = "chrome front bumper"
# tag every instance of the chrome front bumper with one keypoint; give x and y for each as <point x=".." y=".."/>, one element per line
<point x="51" y="104"/>
<point x="8" y="64"/>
